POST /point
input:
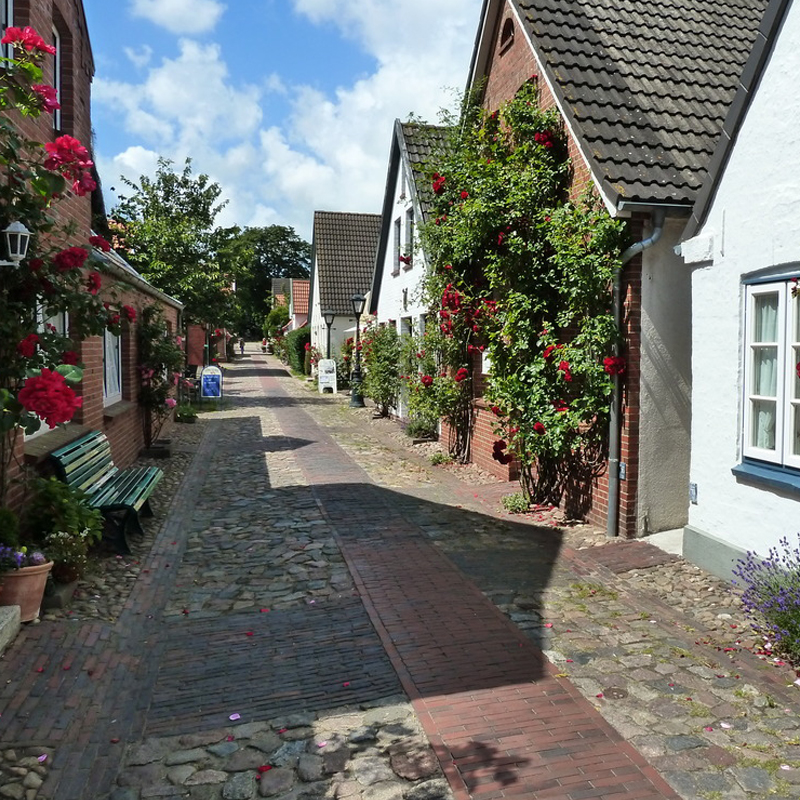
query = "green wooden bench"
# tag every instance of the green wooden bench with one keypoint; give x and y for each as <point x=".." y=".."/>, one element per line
<point x="121" y="494"/>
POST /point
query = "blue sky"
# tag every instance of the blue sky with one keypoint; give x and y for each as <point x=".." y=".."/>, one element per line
<point x="287" y="104"/>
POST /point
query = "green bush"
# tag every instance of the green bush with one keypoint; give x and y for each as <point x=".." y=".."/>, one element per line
<point x="515" y="503"/>
<point x="56" y="506"/>
<point x="380" y="350"/>
<point x="295" y="343"/>
<point x="275" y="320"/>
<point x="441" y="458"/>
<point x="9" y="527"/>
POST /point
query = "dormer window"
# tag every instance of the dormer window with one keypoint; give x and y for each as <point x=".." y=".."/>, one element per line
<point x="507" y="35"/>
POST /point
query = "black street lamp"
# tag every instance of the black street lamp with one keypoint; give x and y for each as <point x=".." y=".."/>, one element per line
<point x="356" y="398"/>
<point x="328" y="317"/>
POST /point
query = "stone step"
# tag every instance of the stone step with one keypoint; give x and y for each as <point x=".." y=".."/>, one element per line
<point x="9" y="625"/>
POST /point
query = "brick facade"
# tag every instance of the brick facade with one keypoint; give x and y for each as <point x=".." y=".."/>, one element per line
<point x="122" y="422"/>
<point x="511" y="64"/>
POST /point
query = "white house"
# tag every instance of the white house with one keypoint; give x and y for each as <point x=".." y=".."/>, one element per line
<point x="743" y="244"/>
<point x="396" y="297"/>
<point x="343" y="251"/>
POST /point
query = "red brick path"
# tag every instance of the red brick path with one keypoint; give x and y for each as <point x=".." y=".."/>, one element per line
<point x="502" y="723"/>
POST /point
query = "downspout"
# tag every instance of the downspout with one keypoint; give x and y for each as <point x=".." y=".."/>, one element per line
<point x="615" y="420"/>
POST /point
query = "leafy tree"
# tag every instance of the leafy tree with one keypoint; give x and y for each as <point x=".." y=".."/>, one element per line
<point x="266" y="253"/>
<point x="381" y="350"/>
<point x="165" y="228"/>
<point x="275" y="321"/>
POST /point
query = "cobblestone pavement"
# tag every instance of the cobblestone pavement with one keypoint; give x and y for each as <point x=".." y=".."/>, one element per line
<point x="290" y="632"/>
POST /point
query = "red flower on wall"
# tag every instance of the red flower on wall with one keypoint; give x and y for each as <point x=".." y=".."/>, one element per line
<point x="27" y="347"/>
<point x="426" y="380"/>
<point x="461" y="375"/>
<point x="130" y="313"/>
<point x="614" y="365"/>
<point x="48" y="396"/>
<point x="28" y="38"/>
<point x="539" y="428"/>
<point x="71" y="258"/>
<point x="100" y="243"/>
<point x="93" y="282"/>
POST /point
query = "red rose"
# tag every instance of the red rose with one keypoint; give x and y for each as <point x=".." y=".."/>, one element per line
<point x="49" y="396"/>
<point x="615" y="365"/>
<point x="27" y="347"/>
<point x="69" y="357"/>
<point x="464" y="195"/>
<point x="564" y="367"/>
<point x="71" y="258"/>
<point x="462" y="373"/>
<point x="548" y="351"/>
<point x="496" y="411"/>
<point x="28" y="38"/>
<point x="426" y="380"/>
<point x="130" y="313"/>
<point x="100" y="243"/>
<point x="539" y="428"/>
<point x="93" y="282"/>
<point x="48" y="95"/>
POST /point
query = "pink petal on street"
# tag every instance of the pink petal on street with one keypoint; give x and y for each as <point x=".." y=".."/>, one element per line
<point x="235" y="717"/>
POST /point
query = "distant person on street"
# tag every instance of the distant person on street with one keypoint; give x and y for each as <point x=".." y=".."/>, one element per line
<point x="241" y="345"/>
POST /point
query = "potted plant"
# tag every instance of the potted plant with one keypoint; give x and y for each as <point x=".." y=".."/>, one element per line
<point x="23" y="570"/>
<point x="65" y="525"/>
<point x="184" y="412"/>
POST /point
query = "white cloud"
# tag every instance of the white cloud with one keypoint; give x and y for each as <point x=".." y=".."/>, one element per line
<point x="139" y="58"/>
<point x="331" y="150"/>
<point x="180" y="16"/>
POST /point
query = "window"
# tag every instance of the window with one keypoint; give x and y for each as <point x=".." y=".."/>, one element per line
<point x="6" y="21"/>
<point x="507" y="35"/>
<point x="409" y="238"/>
<point x="57" y="72"/>
<point x="772" y="385"/>
<point x="397" y="253"/>
<point x="112" y="369"/>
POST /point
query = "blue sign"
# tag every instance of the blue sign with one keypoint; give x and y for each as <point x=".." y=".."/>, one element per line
<point x="211" y="382"/>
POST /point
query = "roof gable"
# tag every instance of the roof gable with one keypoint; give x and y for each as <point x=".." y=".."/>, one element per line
<point x="344" y="246"/>
<point x="300" y="296"/>
<point x="645" y="87"/>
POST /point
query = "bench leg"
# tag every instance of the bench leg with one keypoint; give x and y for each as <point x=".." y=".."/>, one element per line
<point x="145" y="510"/>
<point x="136" y="526"/>
<point x="115" y="533"/>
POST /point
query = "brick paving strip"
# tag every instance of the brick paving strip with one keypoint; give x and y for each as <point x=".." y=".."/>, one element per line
<point x="501" y="721"/>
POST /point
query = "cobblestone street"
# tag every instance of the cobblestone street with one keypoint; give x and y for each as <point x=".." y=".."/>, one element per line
<point x="319" y="612"/>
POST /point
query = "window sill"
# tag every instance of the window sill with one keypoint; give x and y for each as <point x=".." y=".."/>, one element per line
<point x="773" y="476"/>
<point x="39" y="448"/>
<point x="118" y="409"/>
<point x="395" y="272"/>
<point x="407" y="267"/>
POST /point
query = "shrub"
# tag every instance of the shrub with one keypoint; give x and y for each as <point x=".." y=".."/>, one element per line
<point x="381" y="352"/>
<point x="441" y="458"/>
<point x="515" y="503"/>
<point x="9" y="527"/>
<point x="56" y="506"/>
<point x="275" y="320"/>
<point x="771" y="596"/>
<point x="295" y="343"/>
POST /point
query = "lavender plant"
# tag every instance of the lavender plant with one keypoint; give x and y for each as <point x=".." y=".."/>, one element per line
<point x="771" y="596"/>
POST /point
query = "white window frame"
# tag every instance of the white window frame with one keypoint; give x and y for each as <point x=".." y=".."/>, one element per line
<point x="410" y="236"/>
<point x="61" y="323"/>
<point x="57" y="66"/>
<point x="787" y="396"/>
<point x="112" y="372"/>
<point x="397" y="253"/>
<point x="6" y="21"/>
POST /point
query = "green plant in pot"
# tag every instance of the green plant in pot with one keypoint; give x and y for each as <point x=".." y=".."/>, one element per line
<point x="184" y="412"/>
<point x="62" y="520"/>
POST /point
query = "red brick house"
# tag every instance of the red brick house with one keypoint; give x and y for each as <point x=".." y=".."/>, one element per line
<point x="110" y="384"/>
<point x="643" y="92"/>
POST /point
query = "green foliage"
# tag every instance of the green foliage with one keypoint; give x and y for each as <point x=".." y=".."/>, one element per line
<point x="520" y="270"/>
<point x="57" y="506"/>
<point x="161" y="363"/>
<point x="380" y="350"/>
<point x="275" y="320"/>
<point x="184" y="412"/>
<point x="9" y="527"/>
<point x="295" y="343"/>
<point x="166" y="229"/>
<point x="266" y="253"/>
<point x="516" y="503"/>
<point x="441" y="458"/>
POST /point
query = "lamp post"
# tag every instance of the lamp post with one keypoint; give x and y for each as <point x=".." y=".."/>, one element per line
<point x="328" y="317"/>
<point x="356" y="398"/>
<point x="17" y="238"/>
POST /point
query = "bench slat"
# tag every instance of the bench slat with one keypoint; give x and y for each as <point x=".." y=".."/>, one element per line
<point x="127" y="489"/>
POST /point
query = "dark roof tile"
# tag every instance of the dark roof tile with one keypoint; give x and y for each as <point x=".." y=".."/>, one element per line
<point x="646" y="85"/>
<point x="344" y="248"/>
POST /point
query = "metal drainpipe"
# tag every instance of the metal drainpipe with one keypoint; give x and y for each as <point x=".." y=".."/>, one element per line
<point x="615" y="421"/>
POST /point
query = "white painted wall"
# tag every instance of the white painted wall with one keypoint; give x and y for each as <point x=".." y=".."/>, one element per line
<point x="753" y="224"/>
<point x="664" y="442"/>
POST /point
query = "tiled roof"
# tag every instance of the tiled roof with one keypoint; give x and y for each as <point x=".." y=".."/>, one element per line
<point x="300" y="296"/>
<point x="344" y="255"/>
<point x="646" y="86"/>
<point x="420" y="142"/>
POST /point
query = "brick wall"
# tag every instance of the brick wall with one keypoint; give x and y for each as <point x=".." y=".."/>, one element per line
<point x="123" y="422"/>
<point x="586" y="492"/>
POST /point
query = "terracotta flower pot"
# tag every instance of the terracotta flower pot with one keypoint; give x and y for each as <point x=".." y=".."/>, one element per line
<point x="24" y="587"/>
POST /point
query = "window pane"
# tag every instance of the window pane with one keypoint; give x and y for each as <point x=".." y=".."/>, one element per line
<point x="766" y="318"/>
<point x="765" y="372"/>
<point x="763" y="428"/>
